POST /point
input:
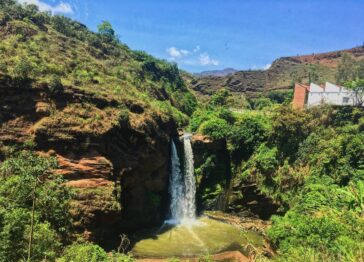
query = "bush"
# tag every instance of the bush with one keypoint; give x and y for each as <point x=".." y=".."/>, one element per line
<point x="19" y="174"/>
<point x="55" y="85"/>
<point x="227" y="115"/>
<point x="46" y="245"/>
<point x="246" y="136"/>
<point x="290" y="128"/>
<point x="200" y="116"/>
<point x="261" y="103"/>
<point x="220" y="98"/>
<point x="280" y="96"/>
<point x="216" y="128"/>
<point x="23" y="69"/>
<point x="119" y="257"/>
<point x="326" y="231"/>
<point x="84" y="252"/>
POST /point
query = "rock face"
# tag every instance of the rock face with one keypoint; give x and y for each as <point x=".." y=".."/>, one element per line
<point x="212" y="168"/>
<point x="218" y="189"/>
<point x="245" y="199"/>
<point x="116" y="161"/>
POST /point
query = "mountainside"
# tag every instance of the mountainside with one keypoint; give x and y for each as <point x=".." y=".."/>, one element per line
<point x="104" y="111"/>
<point x="280" y="76"/>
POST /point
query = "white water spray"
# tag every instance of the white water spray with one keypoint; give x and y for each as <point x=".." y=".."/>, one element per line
<point x="175" y="186"/>
<point x="190" y="182"/>
<point x="182" y="188"/>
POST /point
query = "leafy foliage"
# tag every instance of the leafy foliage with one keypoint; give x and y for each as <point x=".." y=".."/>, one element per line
<point x="216" y="128"/>
<point x="84" y="252"/>
<point x="246" y="136"/>
<point x="19" y="175"/>
<point x="311" y="164"/>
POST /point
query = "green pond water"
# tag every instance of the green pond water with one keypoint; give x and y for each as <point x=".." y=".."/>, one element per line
<point x="206" y="236"/>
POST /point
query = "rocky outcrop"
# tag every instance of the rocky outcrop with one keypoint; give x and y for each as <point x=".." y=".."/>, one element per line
<point x="212" y="169"/>
<point x="116" y="160"/>
<point x="217" y="189"/>
<point x="246" y="200"/>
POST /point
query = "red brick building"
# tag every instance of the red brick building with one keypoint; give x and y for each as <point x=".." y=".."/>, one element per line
<point x="300" y="95"/>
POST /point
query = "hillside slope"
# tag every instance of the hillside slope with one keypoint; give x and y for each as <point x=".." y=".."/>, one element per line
<point x="280" y="76"/>
<point x="104" y="111"/>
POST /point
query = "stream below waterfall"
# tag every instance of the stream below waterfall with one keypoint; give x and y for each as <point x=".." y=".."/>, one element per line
<point x="182" y="234"/>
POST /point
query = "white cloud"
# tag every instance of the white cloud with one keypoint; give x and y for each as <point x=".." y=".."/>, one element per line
<point x="191" y="57"/>
<point x="206" y="60"/>
<point x="62" y="7"/>
<point x="196" y="49"/>
<point x="175" y="53"/>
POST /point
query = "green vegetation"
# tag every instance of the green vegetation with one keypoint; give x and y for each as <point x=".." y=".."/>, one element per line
<point x="310" y="164"/>
<point x="35" y="219"/>
<point x="34" y="209"/>
<point x="96" y="63"/>
<point x="114" y="86"/>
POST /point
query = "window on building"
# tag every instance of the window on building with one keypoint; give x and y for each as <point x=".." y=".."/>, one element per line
<point x="345" y="100"/>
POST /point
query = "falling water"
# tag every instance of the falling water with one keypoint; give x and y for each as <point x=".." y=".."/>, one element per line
<point x="182" y="188"/>
<point x="190" y="182"/>
<point x="176" y="188"/>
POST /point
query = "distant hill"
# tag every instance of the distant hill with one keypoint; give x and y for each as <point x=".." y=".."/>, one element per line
<point x="223" y="72"/>
<point x="280" y="76"/>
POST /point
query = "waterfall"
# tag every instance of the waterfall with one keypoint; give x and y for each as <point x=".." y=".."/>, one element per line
<point x="190" y="182"/>
<point x="182" y="188"/>
<point x="176" y="188"/>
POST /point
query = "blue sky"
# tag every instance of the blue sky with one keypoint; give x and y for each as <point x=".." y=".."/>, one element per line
<point x="214" y="34"/>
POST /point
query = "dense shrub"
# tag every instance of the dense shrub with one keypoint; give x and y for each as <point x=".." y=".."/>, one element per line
<point x="25" y="178"/>
<point x="290" y="128"/>
<point x="330" y="231"/>
<point x="55" y="85"/>
<point x="200" y="116"/>
<point x="280" y="96"/>
<point x="23" y="69"/>
<point x="216" y="128"/>
<point x="312" y="166"/>
<point x="84" y="252"/>
<point x="261" y="103"/>
<point x="246" y="136"/>
<point x="220" y="98"/>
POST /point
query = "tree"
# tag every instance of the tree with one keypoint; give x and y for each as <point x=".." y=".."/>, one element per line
<point x="347" y="69"/>
<point x="32" y="168"/>
<point x="361" y="69"/>
<point x="312" y="74"/>
<point x="246" y="136"/>
<point x="216" y="128"/>
<point x="105" y="29"/>
<point x="55" y="85"/>
<point x="358" y="87"/>
<point x="34" y="211"/>
<point x="220" y="98"/>
<point x="23" y="69"/>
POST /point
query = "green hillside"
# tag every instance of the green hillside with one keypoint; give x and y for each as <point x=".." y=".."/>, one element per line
<point x="95" y="137"/>
<point x="39" y="49"/>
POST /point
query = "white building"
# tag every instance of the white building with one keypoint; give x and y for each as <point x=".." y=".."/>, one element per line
<point x="313" y="95"/>
<point x="330" y="94"/>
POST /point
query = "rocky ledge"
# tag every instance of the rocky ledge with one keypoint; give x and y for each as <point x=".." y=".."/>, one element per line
<point x="114" y="157"/>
